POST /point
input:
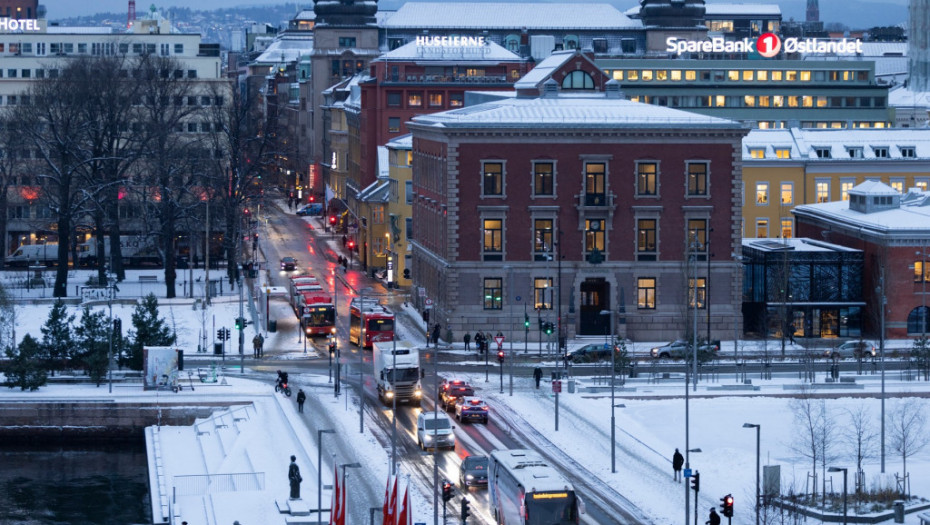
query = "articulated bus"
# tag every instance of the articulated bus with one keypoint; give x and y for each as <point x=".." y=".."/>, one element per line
<point x="525" y="490"/>
<point x="378" y="323"/>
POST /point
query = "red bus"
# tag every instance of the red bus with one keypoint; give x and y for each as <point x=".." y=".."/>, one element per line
<point x="377" y="321"/>
<point x="317" y="313"/>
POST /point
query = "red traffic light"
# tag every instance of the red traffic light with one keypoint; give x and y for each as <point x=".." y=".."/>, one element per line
<point x="500" y="356"/>
<point x="351" y="244"/>
<point x="312" y="198"/>
<point x="332" y="219"/>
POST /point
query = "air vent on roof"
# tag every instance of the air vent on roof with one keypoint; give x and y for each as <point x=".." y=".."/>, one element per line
<point x="612" y="89"/>
<point x="550" y="89"/>
<point x="774" y="246"/>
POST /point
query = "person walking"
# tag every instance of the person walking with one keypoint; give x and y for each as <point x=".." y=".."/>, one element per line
<point x="714" y="517"/>
<point x="255" y="346"/>
<point x="537" y="376"/>
<point x="479" y="342"/>
<point x="261" y="346"/>
<point x="467" y="339"/>
<point x="436" y="330"/>
<point x="677" y="461"/>
<point x="301" y="397"/>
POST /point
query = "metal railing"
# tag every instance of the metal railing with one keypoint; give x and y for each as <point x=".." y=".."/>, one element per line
<point x="197" y="485"/>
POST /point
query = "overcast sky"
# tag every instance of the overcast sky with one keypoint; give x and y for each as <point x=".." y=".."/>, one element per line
<point x="67" y="8"/>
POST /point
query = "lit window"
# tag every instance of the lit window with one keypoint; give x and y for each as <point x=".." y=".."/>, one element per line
<point x="749" y="101"/>
<point x="493" y="247"/>
<point x="805" y="76"/>
<point x="646" y="293"/>
<point x="647" y="75"/>
<point x="747" y="75"/>
<point x="542" y="288"/>
<point x="661" y="74"/>
<point x="435" y="100"/>
<point x="675" y="74"/>
<point x="720" y="101"/>
<point x="783" y="153"/>
<point x="921" y="272"/>
<point x="787" y="228"/>
<point x="791" y="76"/>
<point x="787" y="192"/>
<point x="898" y="185"/>
<point x="822" y="189"/>
<point x="778" y="101"/>
<point x="697" y="235"/>
<point x="595" y="184"/>
<point x="415" y="100"/>
<point x="542" y="239"/>
<point x="697" y="178"/>
<point x="921" y="183"/>
<point x="493" y="293"/>
<point x="493" y="179"/>
<point x="690" y="75"/>
<point x="792" y="101"/>
<point x="632" y="74"/>
<point x="762" y="75"/>
<point x="646" y="180"/>
<point x="764" y="101"/>
<point x="618" y="74"/>
<point x="732" y="75"/>
<point x="762" y="228"/>
<point x="698" y="285"/>
<point x="646" y="239"/>
<point x="845" y="186"/>
<point x="543" y="178"/>
<point x="776" y="76"/>
<point x="594" y="235"/>
<point x="757" y="153"/>
<point x="762" y="193"/>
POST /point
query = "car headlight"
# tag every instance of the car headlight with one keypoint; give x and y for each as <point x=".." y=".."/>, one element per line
<point x="654" y="352"/>
<point x="417" y="393"/>
<point x="428" y="437"/>
<point x="469" y="476"/>
<point x="389" y="393"/>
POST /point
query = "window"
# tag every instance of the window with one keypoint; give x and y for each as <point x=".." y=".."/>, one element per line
<point x="543" y="183"/>
<point x="647" y="75"/>
<point x="492" y="182"/>
<point x="415" y="100"/>
<point x="787" y="228"/>
<point x="646" y="293"/>
<point x="377" y="214"/>
<point x="762" y="193"/>
<point x="542" y="293"/>
<point x="921" y="183"/>
<point x="646" y="178"/>
<point x="578" y="80"/>
<point x="456" y="100"/>
<point x="697" y="235"/>
<point x="393" y="99"/>
<point x="787" y="193"/>
<point x="393" y="124"/>
<point x="435" y="100"/>
<point x="908" y="152"/>
<point x="757" y="153"/>
<point x="594" y="235"/>
<point x="646" y="239"/>
<point x="897" y="184"/>
<point x="881" y="152"/>
<point x="822" y="152"/>
<point x="845" y="186"/>
<point x="493" y="247"/>
<point x="822" y="191"/>
<point x="164" y="50"/>
<point x="408" y="192"/>
<point x="179" y="49"/>
<point x="542" y="239"/>
<point x="698" y="285"/>
<point x="346" y="41"/>
<point x="493" y="291"/>
<point x="921" y="272"/>
<point x="762" y="228"/>
<point x="697" y="178"/>
<point x="783" y="153"/>
<point x="595" y="181"/>
<point x="854" y="153"/>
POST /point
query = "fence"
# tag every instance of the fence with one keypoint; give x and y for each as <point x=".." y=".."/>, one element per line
<point x="197" y="485"/>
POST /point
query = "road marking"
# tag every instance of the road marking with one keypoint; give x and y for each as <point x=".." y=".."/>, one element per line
<point x="498" y="445"/>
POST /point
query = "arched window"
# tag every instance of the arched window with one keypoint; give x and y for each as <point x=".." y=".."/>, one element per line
<point x="918" y="321"/>
<point x="578" y="80"/>
<point x="512" y="43"/>
<point x="570" y="42"/>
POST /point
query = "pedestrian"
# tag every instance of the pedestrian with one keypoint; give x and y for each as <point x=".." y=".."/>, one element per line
<point x="255" y="346"/>
<point x="344" y="240"/>
<point x="791" y="330"/>
<point x="436" y="330"/>
<point x="714" y="517"/>
<point x="301" y="397"/>
<point x="467" y="339"/>
<point x="261" y="346"/>
<point x="479" y="342"/>
<point x="677" y="461"/>
<point x="537" y="376"/>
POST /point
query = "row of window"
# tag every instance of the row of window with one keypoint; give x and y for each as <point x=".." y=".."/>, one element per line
<point x="736" y="75"/>
<point x="760" y="101"/>
<point x="543" y="293"/>
<point x="787" y="228"/>
<point x="826" y="152"/>
<point x="433" y="99"/>
<point x="595" y="238"/>
<point x="53" y="73"/>
<point x="93" y="48"/>
<point x="820" y="124"/>
<point x="822" y="189"/>
<point x="25" y="100"/>
<point x="647" y="174"/>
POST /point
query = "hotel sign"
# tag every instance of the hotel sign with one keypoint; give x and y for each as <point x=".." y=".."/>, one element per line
<point x="452" y="45"/>
<point x="767" y="45"/>
<point x="8" y="25"/>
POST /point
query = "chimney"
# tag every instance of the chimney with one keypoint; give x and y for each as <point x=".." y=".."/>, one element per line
<point x="550" y="89"/>
<point x="612" y="90"/>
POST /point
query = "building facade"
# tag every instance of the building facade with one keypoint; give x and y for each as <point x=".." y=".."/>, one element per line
<point x="571" y="204"/>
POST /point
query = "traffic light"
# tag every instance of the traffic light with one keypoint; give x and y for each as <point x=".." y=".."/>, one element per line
<point x="332" y="220"/>
<point x="351" y="245"/>
<point x="226" y="333"/>
<point x="220" y="335"/>
<point x="312" y="198"/>
<point x="526" y="321"/>
<point x="696" y="482"/>
<point x="500" y="356"/>
<point x="727" y="505"/>
<point x="446" y="490"/>
<point x="406" y="273"/>
<point x="548" y="327"/>
<point x="466" y="510"/>
<point x="239" y="323"/>
<point x="118" y="326"/>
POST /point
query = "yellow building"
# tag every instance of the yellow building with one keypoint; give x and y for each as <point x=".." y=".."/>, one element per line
<point x="786" y="167"/>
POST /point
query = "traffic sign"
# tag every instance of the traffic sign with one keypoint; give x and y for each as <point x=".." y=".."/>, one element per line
<point x="518" y="298"/>
<point x="606" y="346"/>
<point x="429" y="303"/>
<point x="557" y="386"/>
<point x="687" y="472"/>
<point x="499" y="339"/>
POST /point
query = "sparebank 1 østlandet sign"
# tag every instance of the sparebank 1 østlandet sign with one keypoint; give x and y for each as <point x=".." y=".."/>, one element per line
<point x="12" y="24"/>
<point x="767" y="45"/>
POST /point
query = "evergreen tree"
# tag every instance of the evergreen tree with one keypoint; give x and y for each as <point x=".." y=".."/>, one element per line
<point x="24" y="368"/>
<point x="57" y="340"/>
<point x="147" y="330"/>
<point x="92" y="341"/>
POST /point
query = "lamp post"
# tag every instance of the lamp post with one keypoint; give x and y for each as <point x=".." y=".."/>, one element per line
<point x="613" y="369"/>
<point x="758" y="428"/>
<point x="361" y="363"/>
<point x="111" y="288"/>
<point x="345" y="466"/>
<point x="843" y="470"/>
<point x="688" y="452"/>
<point x="319" y="471"/>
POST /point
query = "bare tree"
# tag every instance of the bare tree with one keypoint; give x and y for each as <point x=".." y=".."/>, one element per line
<point x="906" y="428"/>
<point x="861" y="439"/>
<point x="810" y="417"/>
<point x="12" y="167"/>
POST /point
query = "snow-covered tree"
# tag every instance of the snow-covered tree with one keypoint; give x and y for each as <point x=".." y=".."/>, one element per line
<point x="147" y="330"/>
<point x="24" y="368"/>
<point x="57" y="340"/>
<point x="92" y="343"/>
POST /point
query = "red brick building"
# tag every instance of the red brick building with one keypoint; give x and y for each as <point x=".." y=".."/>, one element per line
<point x="19" y="9"/>
<point x="893" y="231"/>
<point x="517" y="199"/>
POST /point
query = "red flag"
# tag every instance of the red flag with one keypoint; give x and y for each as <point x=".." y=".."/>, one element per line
<point x="342" y="503"/>
<point x="403" y="518"/>
<point x="334" y="504"/>
<point x="392" y="507"/>
<point x="387" y="500"/>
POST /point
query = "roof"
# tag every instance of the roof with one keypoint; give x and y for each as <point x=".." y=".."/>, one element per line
<point x="911" y="219"/>
<point x="513" y="15"/>
<point x="592" y="110"/>
<point x="531" y="471"/>
<point x="286" y="50"/>
<point x="544" y="69"/>
<point x="401" y="142"/>
<point x="794" y="244"/>
<point x="715" y="10"/>
<point x="904" y="97"/>
<point x="489" y="52"/>
<point x="805" y="143"/>
<point x="873" y="187"/>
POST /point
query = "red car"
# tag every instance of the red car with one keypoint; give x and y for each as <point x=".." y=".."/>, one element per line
<point x="448" y="396"/>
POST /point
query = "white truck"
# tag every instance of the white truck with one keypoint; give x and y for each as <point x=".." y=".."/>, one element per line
<point x="397" y="372"/>
<point x="137" y="250"/>
<point x="34" y="254"/>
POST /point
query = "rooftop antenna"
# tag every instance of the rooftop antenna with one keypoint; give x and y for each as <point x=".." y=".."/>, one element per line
<point x="131" y="15"/>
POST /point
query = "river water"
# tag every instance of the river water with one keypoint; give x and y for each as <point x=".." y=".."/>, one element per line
<point x="87" y="484"/>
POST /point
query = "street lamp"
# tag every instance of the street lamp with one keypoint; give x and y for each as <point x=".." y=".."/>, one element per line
<point x="345" y="466"/>
<point x="613" y="370"/>
<point x="319" y="471"/>
<point x="843" y="470"/>
<point x="111" y="288"/>
<point x="361" y="362"/>
<point x="758" y="428"/>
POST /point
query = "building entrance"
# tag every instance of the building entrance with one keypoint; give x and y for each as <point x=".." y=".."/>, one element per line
<point x="595" y="297"/>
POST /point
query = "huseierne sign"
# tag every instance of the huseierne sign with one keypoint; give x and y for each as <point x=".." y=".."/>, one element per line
<point x="451" y="41"/>
<point x="767" y="45"/>
<point x="12" y="24"/>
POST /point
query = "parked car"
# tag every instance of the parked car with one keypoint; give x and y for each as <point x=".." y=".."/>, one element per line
<point x="474" y="471"/>
<point x="312" y="209"/>
<point x="590" y="353"/>
<point x="434" y="430"/>
<point x="850" y="349"/>
<point x="470" y="408"/>
<point x="288" y="264"/>
<point x="447" y="397"/>
<point x="679" y="349"/>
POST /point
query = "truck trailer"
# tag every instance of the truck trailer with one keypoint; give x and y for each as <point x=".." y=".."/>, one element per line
<point x="397" y="372"/>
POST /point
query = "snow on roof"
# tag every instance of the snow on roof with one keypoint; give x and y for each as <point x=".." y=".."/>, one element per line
<point x="904" y="97"/>
<point x="870" y="143"/>
<point x="911" y="218"/>
<point x="401" y="142"/>
<point x="286" y="50"/>
<point x="873" y="187"/>
<point x="531" y="471"/>
<point x="589" y="110"/>
<point x="795" y="244"/>
<point x="714" y="10"/>
<point x="79" y="30"/>
<point x="490" y="52"/>
<point x="544" y="69"/>
<point x="515" y="15"/>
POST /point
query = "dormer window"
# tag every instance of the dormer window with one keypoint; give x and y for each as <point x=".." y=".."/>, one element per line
<point x="908" y="152"/>
<point x="783" y="153"/>
<point x="822" y="152"/>
<point x="881" y="152"/>
<point x="757" y="153"/>
<point x="854" y="153"/>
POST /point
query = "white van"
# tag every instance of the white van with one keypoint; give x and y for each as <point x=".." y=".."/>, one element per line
<point x="31" y="254"/>
<point x="434" y="430"/>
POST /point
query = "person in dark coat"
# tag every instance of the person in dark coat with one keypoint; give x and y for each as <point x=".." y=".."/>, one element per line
<point x="301" y="397"/>
<point x="537" y="376"/>
<point x="261" y="346"/>
<point x="479" y="342"/>
<point x="436" y="330"/>
<point x="293" y="476"/>
<point x="677" y="461"/>
<point x="714" y="517"/>
<point x="467" y="339"/>
<point x="255" y="346"/>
